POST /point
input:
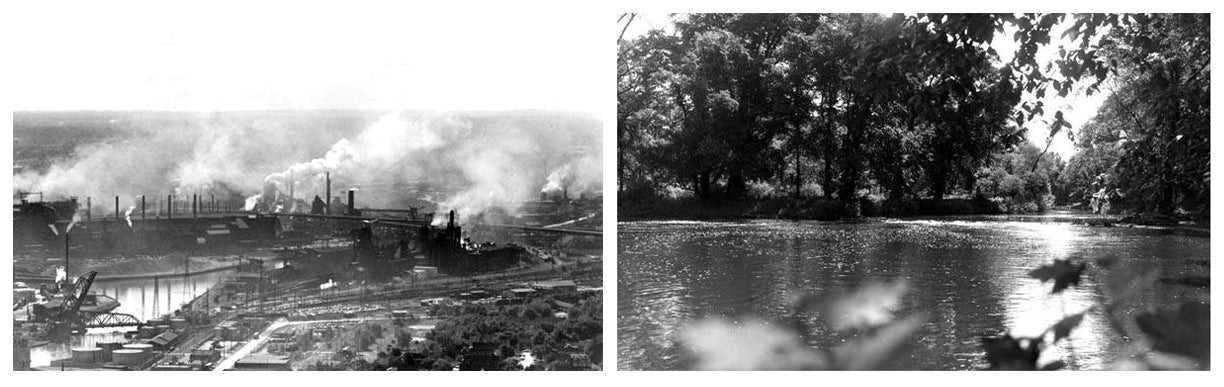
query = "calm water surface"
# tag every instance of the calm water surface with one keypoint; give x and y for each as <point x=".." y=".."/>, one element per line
<point x="969" y="274"/>
<point x="138" y="297"/>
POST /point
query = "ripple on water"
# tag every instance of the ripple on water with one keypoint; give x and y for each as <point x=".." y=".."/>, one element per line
<point x="970" y="275"/>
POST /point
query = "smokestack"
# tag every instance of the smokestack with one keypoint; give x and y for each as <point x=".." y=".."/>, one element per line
<point x="169" y="206"/>
<point x="327" y="209"/>
<point x="142" y="207"/>
<point x="352" y="207"/>
<point x="195" y="204"/>
<point x="116" y="208"/>
<point x="88" y="208"/>
<point x="451" y="224"/>
<point x="212" y="202"/>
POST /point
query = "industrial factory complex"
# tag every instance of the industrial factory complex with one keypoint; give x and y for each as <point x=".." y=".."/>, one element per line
<point x="201" y="282"/>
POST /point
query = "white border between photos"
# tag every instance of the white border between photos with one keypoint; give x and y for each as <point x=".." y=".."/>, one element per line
<point x="596" y="11"/>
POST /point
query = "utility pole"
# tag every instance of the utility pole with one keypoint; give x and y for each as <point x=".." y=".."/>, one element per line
<point x="66" y="275"/>
<point x="156" y="296"/>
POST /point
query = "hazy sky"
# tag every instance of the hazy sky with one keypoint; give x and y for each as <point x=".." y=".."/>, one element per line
<point x="242" y="56"/>
<point x="1077" y="108"/>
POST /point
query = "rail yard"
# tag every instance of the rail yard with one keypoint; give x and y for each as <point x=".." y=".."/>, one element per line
<point x="210" y="285"/>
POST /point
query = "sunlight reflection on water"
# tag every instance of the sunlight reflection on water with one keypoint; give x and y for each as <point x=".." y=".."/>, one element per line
<point x="971" y="275"/>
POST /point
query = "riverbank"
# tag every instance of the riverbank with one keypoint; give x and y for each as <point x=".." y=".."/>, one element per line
<point x="127" y="268"/>
<point x="801" y="209"/>
<point x="831" y="210"/>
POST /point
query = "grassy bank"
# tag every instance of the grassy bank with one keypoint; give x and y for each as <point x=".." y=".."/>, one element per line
<point x="647" y="208"/>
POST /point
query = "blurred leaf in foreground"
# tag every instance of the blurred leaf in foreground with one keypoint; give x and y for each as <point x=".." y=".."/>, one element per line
<point x="868" y="306"/>
<point x="754" y="345"/>
<point x="1062" y="272"/>
<point x="873" y="351"/>
<point x="1007" y="353"/>
<point x="1185" y="331"/>
<point x="1063" y="327"/>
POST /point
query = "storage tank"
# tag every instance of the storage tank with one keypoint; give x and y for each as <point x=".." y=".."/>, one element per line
<point x="147" y="348"/>
<point x="128" y="356"/>
<point x="88" y="355"/>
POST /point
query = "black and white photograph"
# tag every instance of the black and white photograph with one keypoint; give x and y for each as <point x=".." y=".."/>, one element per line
<point x="919" y="191"/>
<point x="317" y="187"/>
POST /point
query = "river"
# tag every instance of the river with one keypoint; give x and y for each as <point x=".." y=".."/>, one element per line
<point x="137" y="297"/>
<point x="968" y="274"/>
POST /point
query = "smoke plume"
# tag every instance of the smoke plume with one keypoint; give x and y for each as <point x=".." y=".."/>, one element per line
<point x="470" y="163"/>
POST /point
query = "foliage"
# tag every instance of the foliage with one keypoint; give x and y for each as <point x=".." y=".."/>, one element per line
<point x="1174" y="339"/>
<point x="1153" y="130"/>
<point x="532" y="326"/>
<point x="1011" y="178"/>
<point x="910" y="106"/>
<point x="1164" y="339"/>
<point x="866" y="313"/>
<point x="1062" y="272"/>
<point x="1089" y="170"/>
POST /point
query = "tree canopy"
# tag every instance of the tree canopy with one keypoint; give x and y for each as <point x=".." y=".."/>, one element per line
<point x="911" y="106"/>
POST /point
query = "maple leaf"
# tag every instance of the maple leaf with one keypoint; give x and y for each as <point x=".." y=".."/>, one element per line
<point x="1062" y="272"/>
<point x="1007" y="353"/>
<point x="1063" y="327"/>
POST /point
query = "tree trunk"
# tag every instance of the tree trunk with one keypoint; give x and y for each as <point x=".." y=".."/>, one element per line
<point x="939" y="182"/>
<point x="827" y="185"/>
<point x="798" y="179"/>
<point x="856" y="120"/>
<point x="736" y="185"/>
<point x="703" y="185"/>
<point x="620" y="168"/>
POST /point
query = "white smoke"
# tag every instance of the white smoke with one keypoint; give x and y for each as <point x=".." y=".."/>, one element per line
<point x="250" y="202"/>
<point x="580" y="175"/>
<point x="76" y="217"/>
<point x="127" y="215"/>
<point x="556" y="181"/>
<point x="469" y="163"/>
<point x="155" y="154"/>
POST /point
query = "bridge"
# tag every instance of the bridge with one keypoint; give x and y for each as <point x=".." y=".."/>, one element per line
<point x="108" y="320"/>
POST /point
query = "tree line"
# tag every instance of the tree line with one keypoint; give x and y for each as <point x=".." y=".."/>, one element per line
<point x="849" y="106"/>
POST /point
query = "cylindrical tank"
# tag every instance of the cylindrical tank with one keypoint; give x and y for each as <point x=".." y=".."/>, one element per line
<point x="178" y="323"/>
<point x="128" y="356"/>
<point x="140" y="346"/>
<point x="88" y="355"/>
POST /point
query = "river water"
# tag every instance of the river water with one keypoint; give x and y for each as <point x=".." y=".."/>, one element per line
<point x="144" y="298"/>
<point x="968" y="274"/>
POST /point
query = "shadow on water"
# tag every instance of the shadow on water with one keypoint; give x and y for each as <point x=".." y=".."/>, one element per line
<point x="969" y="274"/>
